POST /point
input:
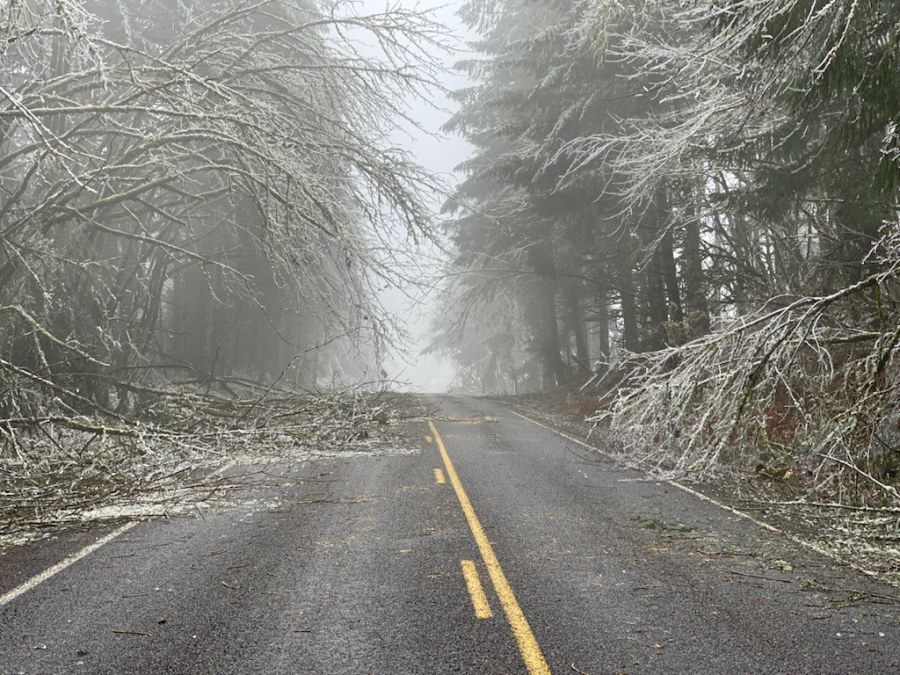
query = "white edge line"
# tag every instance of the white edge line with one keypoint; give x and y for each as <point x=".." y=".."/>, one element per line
<point x="746" y="516"/>
<point x="70" y="560"/>
<point x="50" y="572"/>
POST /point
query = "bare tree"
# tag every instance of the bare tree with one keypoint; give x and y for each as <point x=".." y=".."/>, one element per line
<point x="166" y="167"/>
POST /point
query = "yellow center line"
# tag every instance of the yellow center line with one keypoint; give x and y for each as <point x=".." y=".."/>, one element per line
<point x="534" y="659"/>
<point x="473" y="583"/>
<point x="439" y="477"/>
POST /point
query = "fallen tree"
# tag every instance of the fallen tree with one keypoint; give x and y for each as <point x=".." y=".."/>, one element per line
<point x="67" y="470"/>
<point x="807" y="388"/>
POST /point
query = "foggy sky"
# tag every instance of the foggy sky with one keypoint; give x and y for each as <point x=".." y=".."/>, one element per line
<point x="439" y="153"/>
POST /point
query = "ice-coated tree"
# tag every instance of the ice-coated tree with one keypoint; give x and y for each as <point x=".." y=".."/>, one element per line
<point x="198" y="188"/>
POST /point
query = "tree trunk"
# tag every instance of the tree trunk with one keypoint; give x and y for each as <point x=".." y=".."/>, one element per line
<point x="603" y="317"/>
<point x="627" y="297"/>
<point x="654" y="293"/>
<point x="554" y="368"/>
<point x="694" y="291"/>
<point x="578" y="328"/>
<point x="666" y="252"/>
<point x="670" y="277"/>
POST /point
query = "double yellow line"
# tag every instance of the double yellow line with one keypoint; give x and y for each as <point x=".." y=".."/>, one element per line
<point x="534" y="659"/>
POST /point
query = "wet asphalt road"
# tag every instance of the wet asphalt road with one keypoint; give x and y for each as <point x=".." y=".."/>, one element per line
<point x="353" y="565"/>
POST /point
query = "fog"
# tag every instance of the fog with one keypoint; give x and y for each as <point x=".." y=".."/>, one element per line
<point x="439" y="153"/>
<point x="229" y="227"/>
<point x="192" y="198"/>
<point x="228" y="199"/>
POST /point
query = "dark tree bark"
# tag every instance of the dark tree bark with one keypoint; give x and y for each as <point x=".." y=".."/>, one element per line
<point x="601" y="314"/>
<point x="603" y="324"/>
<point x="578" y="328"/>
<point x="694" y="286"/>
<point x="554" y="369"/>
<point x="666" y="252"/>
<point x="670" y="277"/>
<point x="653" y="289"/>
<point x="627" y="296"/>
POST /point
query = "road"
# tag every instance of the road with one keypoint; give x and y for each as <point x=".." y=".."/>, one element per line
<point x="484" y="544"/>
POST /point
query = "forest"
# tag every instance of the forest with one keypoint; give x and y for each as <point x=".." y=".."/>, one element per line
<point x="665" y="275"/>
<point x="688" y="211"/>
<point x="194" y="189"/>
<point x="198" y="206"/>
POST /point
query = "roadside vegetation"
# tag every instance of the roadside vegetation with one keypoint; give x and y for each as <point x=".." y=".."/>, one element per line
<point x="67" y="471"/>
<point x="689" y="213"/>
<point x="198" y="206"/>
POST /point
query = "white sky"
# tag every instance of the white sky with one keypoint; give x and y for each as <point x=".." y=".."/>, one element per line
<point x="439" y="154"/>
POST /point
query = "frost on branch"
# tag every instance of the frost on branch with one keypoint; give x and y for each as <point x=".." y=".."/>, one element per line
<point x="63" y="470"/>
<point x="196" y="197"/>
<point x="200" y="189"/>
<point x="810" y="384"/>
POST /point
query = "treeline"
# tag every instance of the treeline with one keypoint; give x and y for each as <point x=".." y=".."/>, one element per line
<point x="646" y="172"/>
<point x="194" y="191"/>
